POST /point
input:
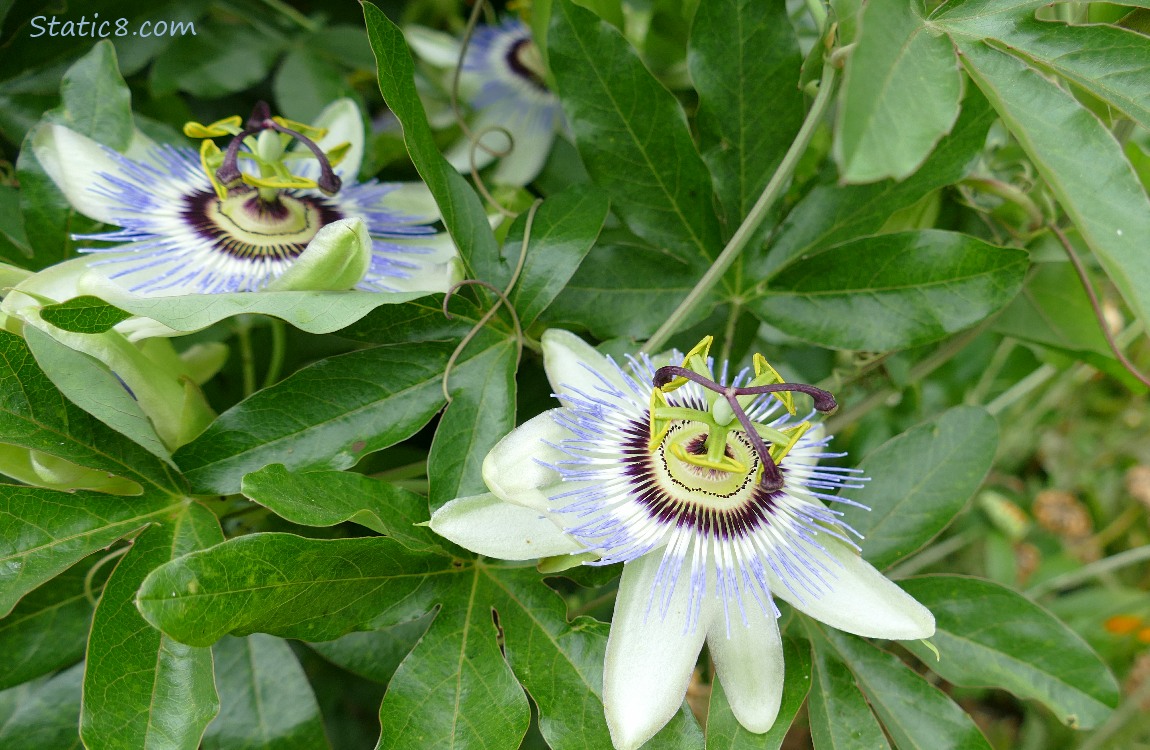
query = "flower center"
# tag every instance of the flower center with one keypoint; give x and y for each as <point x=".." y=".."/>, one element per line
<point x="525" y="61"/>
<point x="679" y="464"/>
<point x="245" y="226"/>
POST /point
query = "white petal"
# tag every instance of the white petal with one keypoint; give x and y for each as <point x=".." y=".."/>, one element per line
<point x="749" y="663"/>
<point x="861" y="600"/>
<point x="649" y="657"/>
<point x="487" y="126"/>
<point x="435" y="47"/>
<point x="512" y="470"/>
<point x="413" y="199"/>
<point x="532" y="135"/>
<point x="570" y="361"/>
<point x="75" y="162"/>
<point x="344" y="124"/>
<point x="438" y="269"/>
<point x="490" y="526"/>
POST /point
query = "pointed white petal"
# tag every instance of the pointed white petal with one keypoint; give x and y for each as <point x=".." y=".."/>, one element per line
<point x="413" y="199"/>
<point x="513" y="469"/>
<point x="435" y="47"/>
<point x="489" y="526"/>
<point x="749" y="663"/>
<point x="344" y="124"/>
<point x="861" y="600"/>
<point x="649" y="657"/>
<point x="75" y="162"/>
<point x="532" y="135"/>
<point x="570" y="361"/>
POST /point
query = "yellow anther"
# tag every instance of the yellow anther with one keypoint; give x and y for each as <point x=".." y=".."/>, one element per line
<point x="308" y="131"/>
<point x="726" y="463"/>
<point x="780" y="451"/>
<point x="338" y="153"/>
<point x="658" y="427"/>
<point x="767" y="375"/>
<point x="210" y="160"/>
<point x="695" y="360"/>
<point x="226" y="126"/>
<point x="277" y="182"/>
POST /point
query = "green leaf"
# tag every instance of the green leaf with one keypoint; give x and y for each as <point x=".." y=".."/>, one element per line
<point x="47" y="630"/>
<point x="463" y="214"/>
<point x="221" y="59"/>
<point x="417" y="321"/>
<point x="314" y="312"/>
<point x="632" y="136"/>
<point x="39" y="715"/>
<point x="455" y="689"/>
<point x="311" y="589"/>
<point x="325" y="498"/>
<point x="266" y="701"/>
<point x="1053" y="310"/>
<point x="566" y="225"/>
<point x="724" y="731"/>
<point x="14" y="246"/>
<point x="744" y="61"/>
<point x="91" y="385"/>
<point x="918" y="715"/>
<point x="44" y="532"/>
<point x="839" y="715"/>
<point x="374" y="654"/>
<point x="326" y="416"/>
<point x="624" y="288"/>
<point x="1093" y="181"/>
<point x="141" y="688"/>
<point x="1110" y="62"/>
<point x="35" y="415"/>
<point x="911" y="289"/>
<point x="900" y="94"/>
<point x="96" y="103"/>
<point x="85" y="314"/>
<point x="829" y="215"/>
<point x="991" y="636"/>
<point x="305" y="83"/>
<point x="919" y="481"/>
<point x="481" y="413"/>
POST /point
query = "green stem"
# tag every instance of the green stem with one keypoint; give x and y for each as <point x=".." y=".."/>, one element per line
<point x="286" y="10"/>
<point x="279" y="347"/>
<point x="818" y="14"/>
<point x="729" y="334"/>
<point x="1091" y="570"/>
<point x="758" y="214"/>
<point x="247" y="357"/>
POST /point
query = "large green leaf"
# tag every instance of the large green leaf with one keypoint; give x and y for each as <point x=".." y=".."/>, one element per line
<point x="141" y="688"/>
<point x="458" y="659"/>
<point x="1053" y="310"/>
<point x="563" y="231"/>
<point x="47" y="630"/>
<point x="917" y="715"/>
<point x="42" y="714"/>
<point x="43" y="532"/>
<point x="632" y="136"/>
<point x="374" y="654"/>
<point x="900" y="94"/>
<point x="417" y="321"/>
<point x="326" y="416"/>
<point x="724" y="731"/>
<point x="222" y="59"/>
<point x="312" y="589"/>
<point x="481" y="413"/>
<point x="829" y="214"/>
<point x="266" y="702"/>
<point x="989" y="635"/>
<point x="96" y="103"/>
<point x="86" y="314"/>
<point x="36" y="416"/>
<point x="892" y="291"/>
<point x="462" y="212"/>
<point x="325" y="498"/>
<point x="839" y="715"/>
<point x="919" y="481"/>
<point x="91" y="385"/>
<point x="1093" y="181"/>
<point x="744" y="61"/>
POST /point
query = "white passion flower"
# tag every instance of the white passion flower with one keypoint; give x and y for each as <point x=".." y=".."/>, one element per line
<point x="279" y="209"/>
<point x="711" y="494"/>
<point x="515" y="114"/>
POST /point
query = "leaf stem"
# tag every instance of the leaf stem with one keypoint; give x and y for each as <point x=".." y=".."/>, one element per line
<point x="279" y="347"/>
<point x="1091" y="570"/>
<point x="247" y="358"/>
<point x="759" y="212"/>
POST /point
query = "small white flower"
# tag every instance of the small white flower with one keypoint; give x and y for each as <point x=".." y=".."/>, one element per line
<point x="514" y="111"/>
<point x="290" y="219"/>
<point x="712" y="497"/>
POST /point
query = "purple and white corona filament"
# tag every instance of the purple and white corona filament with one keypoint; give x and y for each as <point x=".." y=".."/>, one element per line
<point x="711" y="494"/>
<point x="240" y="221"/>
